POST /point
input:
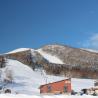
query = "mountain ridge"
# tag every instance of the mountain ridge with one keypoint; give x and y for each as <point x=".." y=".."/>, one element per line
<point x="71" y="60"/>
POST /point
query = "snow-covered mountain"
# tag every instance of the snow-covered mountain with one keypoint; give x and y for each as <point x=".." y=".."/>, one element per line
<point x="57" y="63"/>
<point x="59" y="60"/>
<point x="47" y="56"/>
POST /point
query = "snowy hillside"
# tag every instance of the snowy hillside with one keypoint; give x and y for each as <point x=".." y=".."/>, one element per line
<point x="27" y="81"/>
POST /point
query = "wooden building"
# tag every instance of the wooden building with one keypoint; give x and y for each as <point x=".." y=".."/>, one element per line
<point x="59" y="87"/>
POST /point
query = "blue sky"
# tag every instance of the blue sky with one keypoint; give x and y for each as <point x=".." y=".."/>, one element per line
<point x="34" y="23"/>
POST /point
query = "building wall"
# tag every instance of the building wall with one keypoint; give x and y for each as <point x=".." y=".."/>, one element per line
<point x="56" y="87"/>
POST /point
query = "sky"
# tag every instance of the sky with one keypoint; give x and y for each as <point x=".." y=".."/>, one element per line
<point x="35" y="23"/>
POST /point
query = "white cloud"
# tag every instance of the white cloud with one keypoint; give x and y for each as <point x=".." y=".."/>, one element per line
<point x="92" y="42"/>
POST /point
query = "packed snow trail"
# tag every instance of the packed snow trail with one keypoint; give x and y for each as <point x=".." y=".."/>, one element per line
<point x="50" y="58"/>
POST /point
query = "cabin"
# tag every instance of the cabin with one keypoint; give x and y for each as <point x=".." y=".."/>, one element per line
<point x="58" y="87"/>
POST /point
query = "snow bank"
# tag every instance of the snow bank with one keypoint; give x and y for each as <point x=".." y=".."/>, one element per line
<point x="44" y="96"/>
<point x="50" y="58"/>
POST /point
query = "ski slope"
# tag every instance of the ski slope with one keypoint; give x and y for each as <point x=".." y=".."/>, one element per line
<point x="27" y="81"/>
<point x="50" y="58"/>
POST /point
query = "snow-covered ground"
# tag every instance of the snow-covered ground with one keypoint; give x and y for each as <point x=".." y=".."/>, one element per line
<point x="44" y="96"/>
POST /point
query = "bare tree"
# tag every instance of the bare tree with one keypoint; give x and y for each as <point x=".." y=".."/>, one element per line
<point x="8" y="78"/>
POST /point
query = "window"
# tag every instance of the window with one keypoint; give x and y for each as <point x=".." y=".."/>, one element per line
<point x="65" y="89"/>
<point x="49" y="88"/>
